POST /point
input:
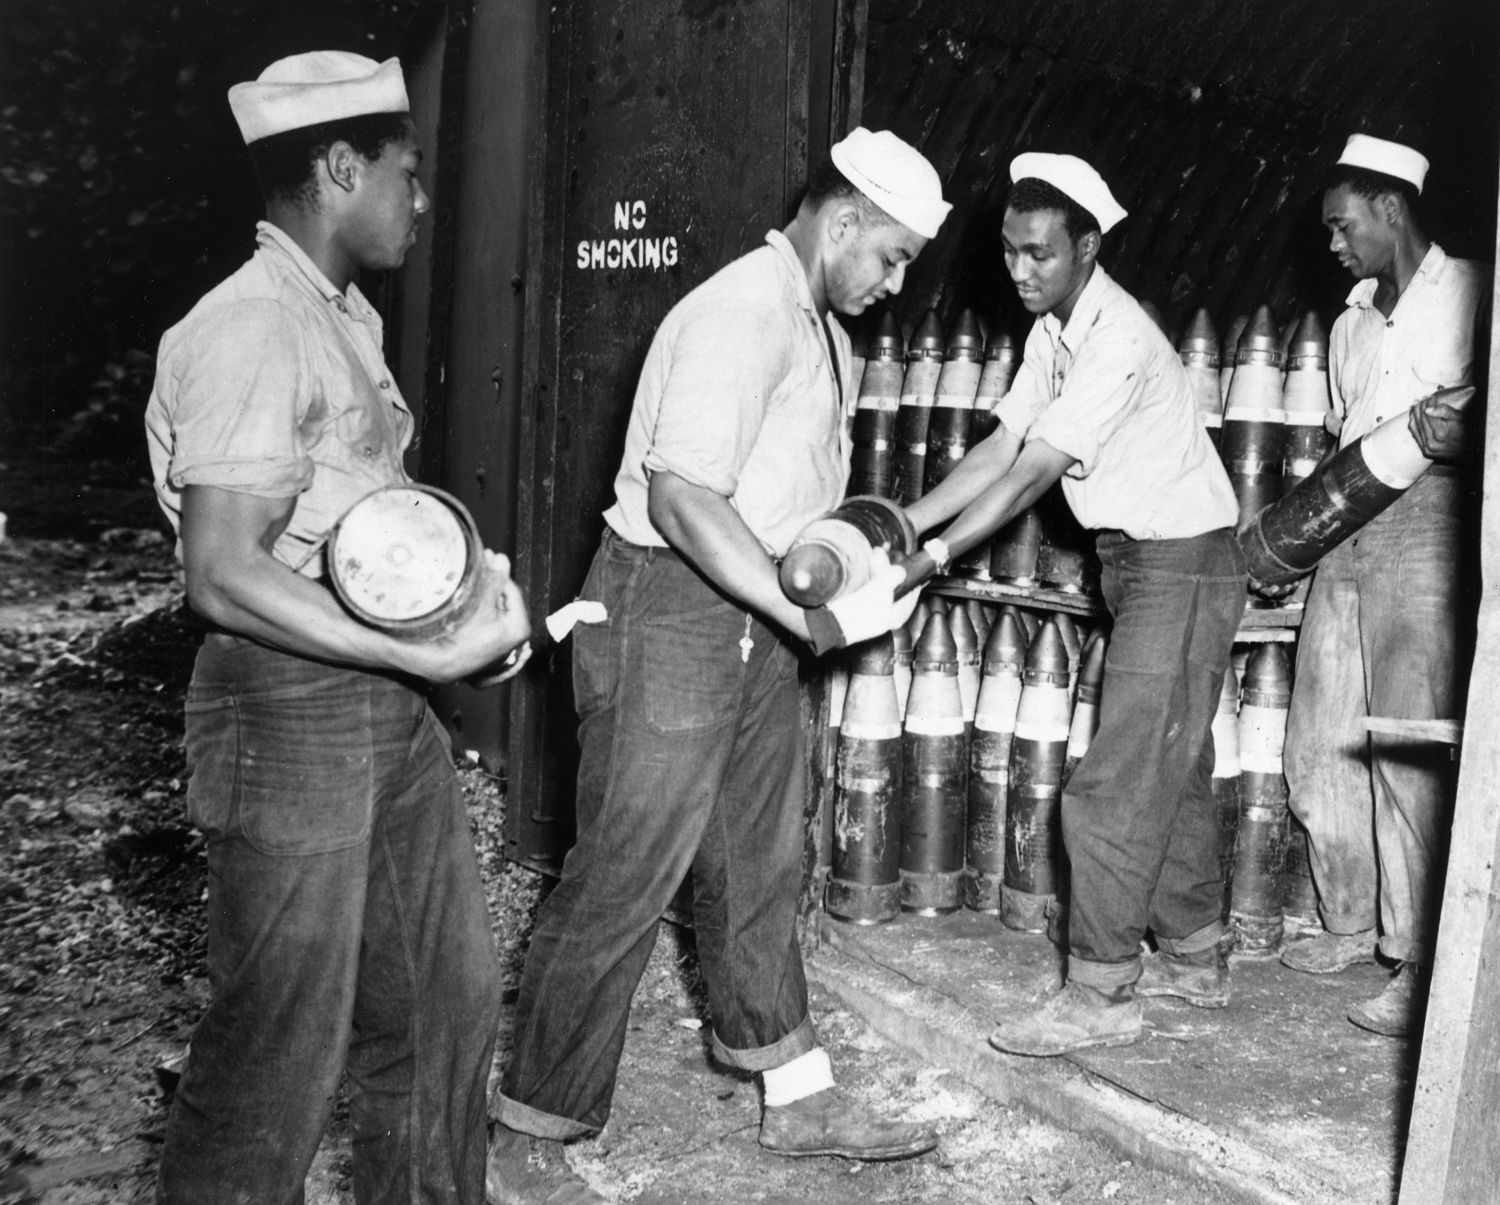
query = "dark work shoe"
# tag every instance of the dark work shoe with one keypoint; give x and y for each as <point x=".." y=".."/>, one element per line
<point x="1327" y="953"/>
<point x="1075" y="1019"/>
<point x="1398" y="1011"/>
<point x="828" y="1123"/>
<point x="1202" y="981"/>
<point x="522" y="1170"/>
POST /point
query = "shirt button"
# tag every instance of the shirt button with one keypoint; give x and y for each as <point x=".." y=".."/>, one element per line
<point x="369" y="452"/>
<point x="385" y="384"/>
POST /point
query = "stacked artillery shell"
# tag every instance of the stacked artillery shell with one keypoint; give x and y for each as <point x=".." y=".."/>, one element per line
<point x="953" y="403"/>
<point x="1086" y="702"/>
<point x="917" y="623"/>
<point x="1034" y="790"/>
<point x="836" y="686"/>
<point x="874" y="429"/>
<point x="1306" y="402"/>
<point x="1199" y="351"/>
<point x="865" y="883"/>
<point x="1299" y="897"/>
<point x="966" y="642"/>
<point x="831" y="555"/>
<point x="1254" y="422"/>
<point x="989" y="762"/>
<point x="1016" y="549"/>
<point x="859" y="352"/>
<point x="1067" y="628"/>
<point x="1228" y="345"/>
<point x="994" y="383"/>
<point x="1255" y="897"/>
<point x="934" y="776"/>
<point x="1226" y="777"/>
<point x="980" y="617"/>
<point x="902" y="643"/>
<point x="1065" y="557"/>
<point x="924" y="364"/>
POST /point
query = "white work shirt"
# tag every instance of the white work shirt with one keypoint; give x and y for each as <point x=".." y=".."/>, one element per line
<point x="1379" y="367"/>
<point x="739" y="395"/>
<point x="1109" y="390"/>
<point x="275" y="385"/>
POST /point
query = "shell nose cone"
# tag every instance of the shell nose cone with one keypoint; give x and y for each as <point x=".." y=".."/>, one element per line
<point x="966" y="340"/>
<point x="936" y="650"/>
<point x="928" y="339"/>
<point x="1091" y="671"/>
<point x="1048" y="653"/>
<point x="1268" y="672"/>
<point x="1007" y="643"/>
<point x="1201" y="336"/>
<point x="811" y="574"/>
<point x="888" y="343"/>
<point x="1261" y="341"/>
<point x="1310" y="341"/>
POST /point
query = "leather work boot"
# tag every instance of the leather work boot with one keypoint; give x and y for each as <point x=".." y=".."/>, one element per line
<point x="1330" y="952"/>
<point x="522" y="1170"/>
<point x="1076" y="1018"/>
<point x="1201" y="980"/>
<point x="828" y="1123"/>
<point x="1398" y="1011"/>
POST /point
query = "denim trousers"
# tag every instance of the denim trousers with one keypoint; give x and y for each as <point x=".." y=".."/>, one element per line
<point x="1138" y="816"/>
<point x="1388" y="631"/>
<point x="347" y="931"/>
<point x="692" y="758"/>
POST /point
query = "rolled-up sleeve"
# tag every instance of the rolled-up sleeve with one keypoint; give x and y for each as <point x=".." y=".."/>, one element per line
<point x="725" y="361"/>
<point x="1019" y="408"/>
<point x="238" y="404"/>
<point x="1097" y="397"/>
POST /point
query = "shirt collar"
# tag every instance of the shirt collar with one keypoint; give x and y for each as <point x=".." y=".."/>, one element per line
<point x="1430" y="270"/>
<point x="788" y="256"/>
<point x="273" y="238"/>
<point x="1085" y="311"/>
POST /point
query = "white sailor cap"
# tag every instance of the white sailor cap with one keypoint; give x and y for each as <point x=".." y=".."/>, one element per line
<point x="1075" y="179"/>
<point x="1387" y="158"/>
<point x="894" y="175"/>
<point x="308" y="89"/>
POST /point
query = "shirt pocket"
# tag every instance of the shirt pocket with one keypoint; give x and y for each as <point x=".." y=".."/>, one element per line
<point x="1443" y="357"/>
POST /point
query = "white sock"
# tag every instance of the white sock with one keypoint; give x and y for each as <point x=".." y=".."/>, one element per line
<point x="804" y="1075"/>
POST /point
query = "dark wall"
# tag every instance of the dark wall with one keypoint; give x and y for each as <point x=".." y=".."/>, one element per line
<point x="1212" y="120"/>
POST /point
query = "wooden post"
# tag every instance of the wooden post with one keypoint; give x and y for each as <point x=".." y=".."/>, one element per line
<point x="1451" y="1155"/>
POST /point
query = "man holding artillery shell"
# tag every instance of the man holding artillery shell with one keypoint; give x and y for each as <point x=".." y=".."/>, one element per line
<point x="1102" y="402"/>
<point x="347" y="926"/>
<point x="1389" y="619"/>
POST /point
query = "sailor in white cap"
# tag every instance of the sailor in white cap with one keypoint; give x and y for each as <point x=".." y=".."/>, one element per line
<point x="1101" y="402"/>
<point x="347" y="927"/>
<point x="1390" y="613"/>
<point x="692" y="741"/>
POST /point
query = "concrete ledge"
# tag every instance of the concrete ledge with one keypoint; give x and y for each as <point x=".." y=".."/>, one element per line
<point x="949" y="1034"/>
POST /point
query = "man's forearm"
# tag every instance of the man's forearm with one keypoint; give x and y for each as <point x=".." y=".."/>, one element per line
<point x="983" y="468"/>
<point x="709" y="532"/>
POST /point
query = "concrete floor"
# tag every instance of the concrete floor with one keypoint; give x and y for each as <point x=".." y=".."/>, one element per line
<point x="1276" y="1098"/>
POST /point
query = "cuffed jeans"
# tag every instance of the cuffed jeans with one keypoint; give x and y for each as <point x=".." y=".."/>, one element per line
<point x="1388" y="631"/>
<point x="346" y="929"/>
<point x="692" y="756"/>
<point x="1138" y="816"/>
